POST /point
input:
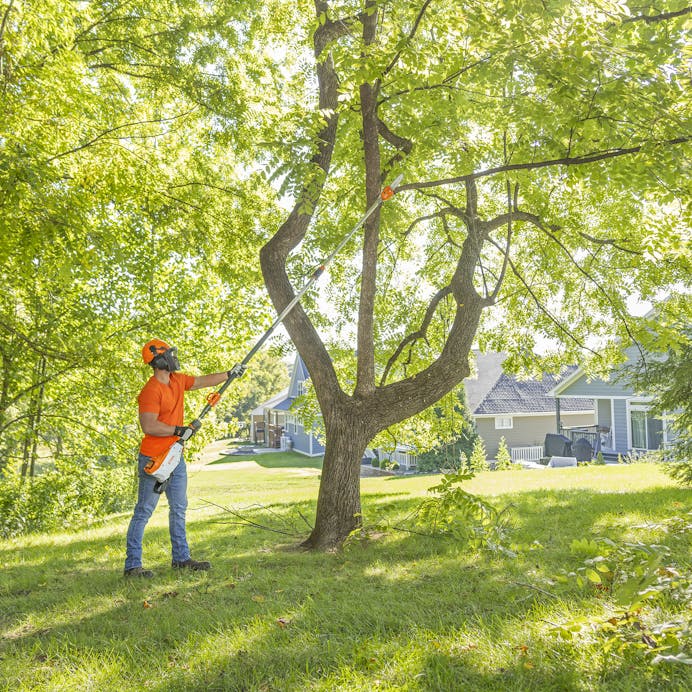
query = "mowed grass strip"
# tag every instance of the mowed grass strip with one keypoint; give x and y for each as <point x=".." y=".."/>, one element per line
<point x="395" y="611"/>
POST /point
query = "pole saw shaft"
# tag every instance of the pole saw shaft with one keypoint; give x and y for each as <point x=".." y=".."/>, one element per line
<point x="238" y="369"/>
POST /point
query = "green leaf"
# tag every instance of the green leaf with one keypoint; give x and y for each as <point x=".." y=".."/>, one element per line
<point x="593" y="576"/>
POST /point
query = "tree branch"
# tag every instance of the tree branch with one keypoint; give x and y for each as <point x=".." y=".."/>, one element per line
<point x="498" y="284"/>
<point x="612" y="243"/>
<point x="565" y="161"/>
<point x="365" y="369"/>
<point x="542" y="308"/>
<point x="5" y="17"/>
<point x="420" y="333"/>
<point x="596" y="283"/>
<point x="31" y="343"/>
<point x="244" y="521"/>
<point x="410" y="36"/>
<point x="274" y="254"/>
<point x="650" y="19"/>
<point x="402" y="143"/>
<point x="111" y="130"/>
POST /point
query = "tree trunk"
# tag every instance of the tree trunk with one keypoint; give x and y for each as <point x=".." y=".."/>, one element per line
<point x="352" y="421"/>
<point x="37" y="417"/>
<point x="338" y="503"/>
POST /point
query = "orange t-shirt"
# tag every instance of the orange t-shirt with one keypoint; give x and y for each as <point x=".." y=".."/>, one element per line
<point x="166" y="401"/>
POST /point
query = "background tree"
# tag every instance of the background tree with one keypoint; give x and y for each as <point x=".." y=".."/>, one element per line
<point x="538" y="142"/>
<point x="126" y="211"/>
<point x="504" y="458"/>
<point x="452" y="433"/>
<point x="478" y="461"/>
<point x="267" y="376"/>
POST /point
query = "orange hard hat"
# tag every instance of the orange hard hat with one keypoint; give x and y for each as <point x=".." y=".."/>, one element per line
<point x="153" y="348"/>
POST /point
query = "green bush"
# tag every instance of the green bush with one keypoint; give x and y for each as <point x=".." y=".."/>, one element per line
<point x="504" y="459"/>
<point x="681" y="471"/>
<point x="478" y="461"/>
<point x="445" y="456"/>
<point x="70" y="494"/>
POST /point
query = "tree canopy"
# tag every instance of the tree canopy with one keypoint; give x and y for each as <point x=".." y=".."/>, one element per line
<point x="128" y="209"/>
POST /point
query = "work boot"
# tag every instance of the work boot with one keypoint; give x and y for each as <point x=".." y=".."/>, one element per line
<point x="194" y="565"/>
<point x="138" y="572"/>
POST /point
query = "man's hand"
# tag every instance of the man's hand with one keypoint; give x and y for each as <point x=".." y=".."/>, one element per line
<point x="236" y="371"/>
<point x="185" y="432"/>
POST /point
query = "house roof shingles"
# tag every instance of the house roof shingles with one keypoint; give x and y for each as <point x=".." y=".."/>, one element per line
<point x="513" y="396"/>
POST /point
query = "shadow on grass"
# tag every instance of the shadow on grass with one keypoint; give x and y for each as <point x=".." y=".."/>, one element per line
<point x="407" y="611"/>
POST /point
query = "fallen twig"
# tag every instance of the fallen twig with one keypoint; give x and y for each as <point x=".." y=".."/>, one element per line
<point x="530" y="586"/>
<point x="244" y="521"/>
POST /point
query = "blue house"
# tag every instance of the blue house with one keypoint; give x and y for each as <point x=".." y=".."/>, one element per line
<point x="274" y="425"/>
<point x="624" y="424"/>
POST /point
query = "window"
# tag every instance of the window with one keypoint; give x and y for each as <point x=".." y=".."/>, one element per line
<point x="647" y="431"/>
<point x="503" y="422"/>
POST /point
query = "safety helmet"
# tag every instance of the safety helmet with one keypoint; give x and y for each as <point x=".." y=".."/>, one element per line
<point x="160" y="355"/>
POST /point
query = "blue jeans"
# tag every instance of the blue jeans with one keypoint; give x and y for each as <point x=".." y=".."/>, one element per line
<point x="147" y="499"/>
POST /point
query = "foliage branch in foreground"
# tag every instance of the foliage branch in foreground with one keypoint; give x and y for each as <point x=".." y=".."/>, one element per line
<point x="628" y="576"/>
<point x="123" y="130"/>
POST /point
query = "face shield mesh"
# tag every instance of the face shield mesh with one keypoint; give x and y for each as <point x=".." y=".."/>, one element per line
<point x="167" y="360"/>
<point x="171" y="358"/>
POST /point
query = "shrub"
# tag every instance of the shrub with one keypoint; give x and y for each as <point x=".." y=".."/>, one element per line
<point x="681" y="471"/>
<point x="70" y="494"/>
<point x="445" y="456"/>
<point x="504" y="460"/>
<point x="478" y="461"/>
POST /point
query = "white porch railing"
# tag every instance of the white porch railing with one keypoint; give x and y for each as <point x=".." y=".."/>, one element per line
<point x="526" y="453"/>
<point x="406" y="459"/>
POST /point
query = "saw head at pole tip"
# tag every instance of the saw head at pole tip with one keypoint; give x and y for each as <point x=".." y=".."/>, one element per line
<point x="389" y="191"/>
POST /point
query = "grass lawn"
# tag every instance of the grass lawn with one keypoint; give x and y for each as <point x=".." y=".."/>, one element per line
<point x="398" y="611"/>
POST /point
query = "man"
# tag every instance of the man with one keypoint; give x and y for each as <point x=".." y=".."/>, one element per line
<point x="161" y="410"/>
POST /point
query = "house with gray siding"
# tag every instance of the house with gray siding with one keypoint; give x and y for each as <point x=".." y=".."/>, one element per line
<point x="524" y="412"/>
<point x="623" y="421"/>
<point x="283" y="429"/>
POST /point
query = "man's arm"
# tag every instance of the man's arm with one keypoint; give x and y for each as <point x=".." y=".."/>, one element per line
<point x="151" y="425"/>
<point x="209" y="380"/>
